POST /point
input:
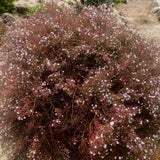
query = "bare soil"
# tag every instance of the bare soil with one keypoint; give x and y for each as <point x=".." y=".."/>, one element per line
<point x="138" y="15"/>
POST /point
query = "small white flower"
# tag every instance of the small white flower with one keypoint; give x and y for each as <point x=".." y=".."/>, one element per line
<point x="105" y="146"/>
<point x="112" y="123"/>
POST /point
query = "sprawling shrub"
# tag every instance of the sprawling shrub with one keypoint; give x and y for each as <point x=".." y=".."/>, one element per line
<point x="6" y="6"/>
<point x="78" y="87"/>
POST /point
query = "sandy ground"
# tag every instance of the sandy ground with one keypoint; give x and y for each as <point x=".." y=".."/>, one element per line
<point x="2" y="157"/>
<point x="139" y="16"/>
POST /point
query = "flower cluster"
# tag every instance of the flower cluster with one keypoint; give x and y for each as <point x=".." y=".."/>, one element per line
<point x="78" y="87"/>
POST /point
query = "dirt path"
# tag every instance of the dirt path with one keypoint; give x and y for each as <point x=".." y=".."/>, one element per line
<point x="138" y="15"/>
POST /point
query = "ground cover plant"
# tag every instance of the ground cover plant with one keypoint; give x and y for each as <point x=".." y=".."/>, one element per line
<point x="119" y="1"/>
<point x="78" y="86"/>
<point x="99" y="2"/>
<point x="95" y="2"/>
<point x="6" y="6"/>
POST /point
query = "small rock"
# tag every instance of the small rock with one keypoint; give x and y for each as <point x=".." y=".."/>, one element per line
<point x="7" y="18"/>
<point x="155" y="10"/>
<point x="23" y="5"/>
<point x="21" y="9"/>
<point x="120" y="19"/>
<point x="155" y="4"/>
